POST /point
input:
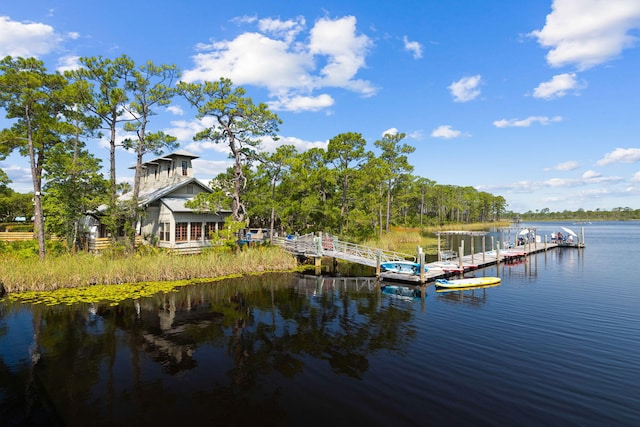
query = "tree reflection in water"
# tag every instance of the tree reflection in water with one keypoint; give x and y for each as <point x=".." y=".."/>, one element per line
<point x="228" y="349"/>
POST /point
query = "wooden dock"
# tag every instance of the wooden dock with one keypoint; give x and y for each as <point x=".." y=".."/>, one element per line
<point x="471" y="262"/>
<point x="326" y="245"/>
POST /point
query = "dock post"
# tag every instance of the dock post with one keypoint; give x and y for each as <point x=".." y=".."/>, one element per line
<point x="421" y="261"/>
<point x="498" y="253"/>
<point x="378" y="262"/>
<point x="473" y="249"/>
<point x="460" y="255"/>
<point x="484" y="248"/>
<point x="318" y="264"/>
<point x="439" y="254"/>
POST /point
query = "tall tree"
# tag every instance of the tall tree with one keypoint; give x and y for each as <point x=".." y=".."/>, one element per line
<point x="74" y="182"/>
<point x="151" y="86"/>
<point x="106" y="97"/>
<point x="307" y="193"/>
<point x="36" y="101"/>
<point x="394" y="155"/>
<point x="237" y="122"/>
<point x="347" y="153"/>
<point x="273" y="167"/>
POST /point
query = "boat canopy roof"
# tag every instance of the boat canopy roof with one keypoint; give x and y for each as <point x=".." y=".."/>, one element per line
<point x="462" y="233"/>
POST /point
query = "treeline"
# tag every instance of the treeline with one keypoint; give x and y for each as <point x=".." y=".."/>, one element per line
<point x="345" y="189"/>
<point x="350" y="191"/>
<point x="616" y="214"/>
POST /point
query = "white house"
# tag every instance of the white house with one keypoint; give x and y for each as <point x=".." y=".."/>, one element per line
<point x="166" y="185"/>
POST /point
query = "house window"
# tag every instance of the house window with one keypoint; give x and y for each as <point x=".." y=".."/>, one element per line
<point x="164" y="231"/>
<point x="209" y="229"/>
<point x="181" y="231"/>
<point x="196" y="231"/>
<point x="184" y="168"/>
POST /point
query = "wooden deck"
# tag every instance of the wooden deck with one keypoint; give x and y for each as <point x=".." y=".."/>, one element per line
<point x="326" y="245"/>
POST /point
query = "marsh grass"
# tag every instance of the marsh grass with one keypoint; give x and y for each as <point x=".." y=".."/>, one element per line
<point x="82" y="269"/>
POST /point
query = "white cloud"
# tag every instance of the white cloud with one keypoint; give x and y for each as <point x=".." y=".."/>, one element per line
<point x="565" y="166"/>
<point x="280" y="58"/>
<point x="414" y="47"/>
<point x="591" y="175"/>
<point x="543" y="120"/>
<point x="466" y="89"/>
<point x="636" y="177"/>
<point x="20" y="177"/>
<point x="390" y="131"/>
<point x="416" y="134"/>
<point x="302" y="103"/>
<point x="445" y="132"/>
<point x="344" y="50"/>
<point x="68" y="63"/>
<point x="586" y="33"/>
<point x="175" y="110"/>
<point x="558" y="86"/>
<point x="287" y="30"/>
<point x="253" y="59"/>
<point x="269" y="145"/>
<point x="26" y="39"/>
<point x="185" y="130"/>
<point x="620" y="155"/>
<point x="210" y="168"/>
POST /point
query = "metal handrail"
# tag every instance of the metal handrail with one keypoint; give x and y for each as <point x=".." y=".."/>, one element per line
<point x="326" y="244"/>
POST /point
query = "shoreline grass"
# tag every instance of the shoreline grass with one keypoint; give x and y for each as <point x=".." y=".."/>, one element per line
<point x="82" y="269"/>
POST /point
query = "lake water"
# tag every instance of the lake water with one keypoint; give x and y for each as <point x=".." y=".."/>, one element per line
<point x="557" y="343"/>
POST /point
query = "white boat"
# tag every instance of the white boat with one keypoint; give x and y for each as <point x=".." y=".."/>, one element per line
<point x="445" y="266"/>
<point x="466" y="282"/>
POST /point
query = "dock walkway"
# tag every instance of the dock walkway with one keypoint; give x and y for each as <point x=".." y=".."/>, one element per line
<point x="327" y="245"/>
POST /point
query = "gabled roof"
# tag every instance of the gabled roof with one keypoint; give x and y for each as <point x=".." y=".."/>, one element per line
<point x="154" y="194"/>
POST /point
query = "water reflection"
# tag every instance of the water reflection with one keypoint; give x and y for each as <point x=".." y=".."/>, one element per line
<point x="232" y="341"/>
<point x="475" y="296"/>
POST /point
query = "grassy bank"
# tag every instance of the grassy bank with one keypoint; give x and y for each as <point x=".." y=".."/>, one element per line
<point x="81" y="269"/>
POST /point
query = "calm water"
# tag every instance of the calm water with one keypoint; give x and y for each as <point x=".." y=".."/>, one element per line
<point x="557" y="343"/>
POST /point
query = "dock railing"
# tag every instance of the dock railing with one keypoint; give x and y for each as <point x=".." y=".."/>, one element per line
<point x="325" y="244"/>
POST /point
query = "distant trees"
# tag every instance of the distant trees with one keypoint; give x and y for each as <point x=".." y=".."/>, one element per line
<point x="545" y="214"/>
<point x="14" y="205"/>
<point x="350" y="191"/>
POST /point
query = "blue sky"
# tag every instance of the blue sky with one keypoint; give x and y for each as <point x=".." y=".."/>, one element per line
<point x="536" y="101"/>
